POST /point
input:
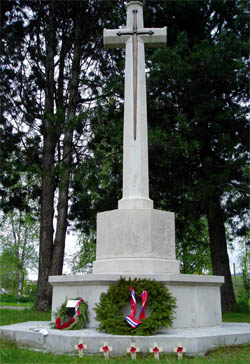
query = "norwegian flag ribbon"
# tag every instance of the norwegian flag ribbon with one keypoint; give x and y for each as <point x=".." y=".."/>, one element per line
<point x="131" y="320"/>
<point x="132" y="302"/>
<point x="144" y="297"/>
<point x="77" y="311"/>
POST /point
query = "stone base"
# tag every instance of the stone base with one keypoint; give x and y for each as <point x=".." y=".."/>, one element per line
<point x="197" y="297"/>
<point x="135" y="203"/>
<point x="197" y="341"/>
<point x="135" y="241"/>
<point x="141" y="265"/>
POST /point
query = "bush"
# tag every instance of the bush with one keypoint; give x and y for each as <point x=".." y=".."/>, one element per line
<point x="8" y="298"/>
<point x="13" y="299"/>
<point x="24" y="299"/>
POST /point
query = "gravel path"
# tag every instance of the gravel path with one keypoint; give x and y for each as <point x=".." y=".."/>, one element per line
<point x="15" y="307"/>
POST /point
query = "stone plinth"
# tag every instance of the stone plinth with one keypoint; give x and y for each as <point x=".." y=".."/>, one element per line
<point x="135" y="241"/>
<point x="197" y="341"/>
<point x="198" y="297"/>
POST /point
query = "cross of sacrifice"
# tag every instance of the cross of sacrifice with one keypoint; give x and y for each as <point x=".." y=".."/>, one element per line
<point x="105" y="349"/>
<point x="180" y="350"/>
<point x="156" y="350"/>
<point x="135" y="139"/>
<point x="80" y="347"/>
<point x="133" y="350"/>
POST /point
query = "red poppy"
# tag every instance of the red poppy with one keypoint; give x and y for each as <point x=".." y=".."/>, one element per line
<point x="156" y="350"/>
<point x="132" y="350"/>
<point x="105" y="349"/>
<point x="61" y="326"/>
<point x="179" y="349"/>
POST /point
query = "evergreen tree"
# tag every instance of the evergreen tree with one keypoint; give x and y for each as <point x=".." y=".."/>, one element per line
<point x="198" y="92"/>
<point x="50" y="50"/>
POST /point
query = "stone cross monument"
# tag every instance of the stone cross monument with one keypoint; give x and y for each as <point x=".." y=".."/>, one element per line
<point x="135" y="238"/>
<point x="135" y="146"/>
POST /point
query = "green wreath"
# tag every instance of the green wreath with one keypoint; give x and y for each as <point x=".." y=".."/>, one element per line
<point x="161" y="305"/>
<point x="71" y="318"/>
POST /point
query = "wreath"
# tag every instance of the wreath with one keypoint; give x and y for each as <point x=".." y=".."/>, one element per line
<point x="160" y="302"/>
<point x="68" y="318"/>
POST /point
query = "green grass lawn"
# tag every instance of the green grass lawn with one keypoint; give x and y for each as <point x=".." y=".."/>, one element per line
<point x="11" y="354"/>
<point x="236" y="317"/>
<point x="8" y="317"/>
<point x="24" y="304"/>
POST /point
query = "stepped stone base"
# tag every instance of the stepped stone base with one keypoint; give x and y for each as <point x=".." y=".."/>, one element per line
<point x="198" y="297"/>
<point x="197" y="341"/>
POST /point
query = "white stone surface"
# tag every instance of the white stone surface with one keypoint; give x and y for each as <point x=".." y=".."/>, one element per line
<point x="135" y="150"/>
<point x="135" y="238"/>
<point x="136" y="241"/>
<point x="140" y="265"/>
<point x="197" y="341"/>
<point x="199" y="296"/>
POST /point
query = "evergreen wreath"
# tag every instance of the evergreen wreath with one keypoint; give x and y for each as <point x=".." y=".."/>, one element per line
<point x="71" y="318"/>
<point x="161" y="305"/>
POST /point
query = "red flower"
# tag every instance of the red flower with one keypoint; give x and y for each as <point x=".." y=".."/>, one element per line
<point x="58" y="323"/>
<point x="132" y="350"/>
<point x="80" y="346"/>
<point x="156" y="350"/>
<point x="105" y="349"/>
<point x="179" y="349"/>
<point x="61" y="326"/>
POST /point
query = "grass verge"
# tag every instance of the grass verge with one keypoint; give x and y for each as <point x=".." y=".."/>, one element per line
<point x="10" y="354"/>
<point x="15" y="304"/>
<point x="236" y="317"/>
<point x="8" y="317"/>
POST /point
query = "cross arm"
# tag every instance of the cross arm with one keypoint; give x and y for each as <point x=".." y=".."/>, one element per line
<point x="155" y="40"/>
<point x="112" y="39"/>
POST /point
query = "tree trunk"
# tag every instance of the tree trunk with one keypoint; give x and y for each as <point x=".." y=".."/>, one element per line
<point x="62" y="208"/>
<point x="218" y="249"/>
<point x="44" y="290"/>
<point x="20" y="282"/>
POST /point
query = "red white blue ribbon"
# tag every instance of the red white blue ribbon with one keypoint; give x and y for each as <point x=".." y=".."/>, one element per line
<point x="131" y="320"/>
<point x="144" y="297"/>
<point x="77" y="311"/>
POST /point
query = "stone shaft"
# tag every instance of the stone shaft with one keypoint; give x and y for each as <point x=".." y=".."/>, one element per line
<point x="135" y="138"/>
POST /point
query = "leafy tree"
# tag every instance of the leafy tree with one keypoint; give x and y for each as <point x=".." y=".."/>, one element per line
<point x="50" y="50"/>
<point x="199" y="90"/>
<point x="8" y="273"/>
<point x="18" y="246"/>
<point x="82" y="260"/>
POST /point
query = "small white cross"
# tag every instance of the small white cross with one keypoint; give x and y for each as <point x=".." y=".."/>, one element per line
<point x="80" y="347"/>
<point x="156" y="350"/>
<point x="180" y="350"/>
<point x="105" y="349"/>
<point x="133" y="350"/>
